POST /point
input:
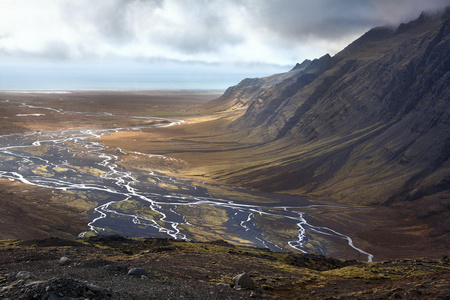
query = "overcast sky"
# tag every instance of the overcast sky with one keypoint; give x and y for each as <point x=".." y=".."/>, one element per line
<point x="236" y="34"/>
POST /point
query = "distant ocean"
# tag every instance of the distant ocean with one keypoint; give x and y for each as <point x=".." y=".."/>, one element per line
<point x="33" y="77"/>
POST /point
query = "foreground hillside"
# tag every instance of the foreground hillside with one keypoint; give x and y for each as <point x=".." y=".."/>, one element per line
<point x="100" y="268"/>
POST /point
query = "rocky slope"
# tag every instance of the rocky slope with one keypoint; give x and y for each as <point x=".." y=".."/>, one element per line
<point x="122" y="268"/>
<point x="368" y="125"/>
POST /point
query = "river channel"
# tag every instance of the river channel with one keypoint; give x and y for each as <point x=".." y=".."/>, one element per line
<point x="145" y="203"/>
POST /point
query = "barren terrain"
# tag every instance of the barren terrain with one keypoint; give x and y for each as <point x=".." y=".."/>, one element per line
<point x="97" y="268"/>
<point x="201" y="143"/>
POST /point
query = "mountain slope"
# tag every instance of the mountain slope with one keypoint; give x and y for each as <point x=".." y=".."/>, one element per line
<point x="369" y="125"/>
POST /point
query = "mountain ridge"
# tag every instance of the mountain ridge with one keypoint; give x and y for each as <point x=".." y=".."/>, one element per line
<point x="375" y="105"/>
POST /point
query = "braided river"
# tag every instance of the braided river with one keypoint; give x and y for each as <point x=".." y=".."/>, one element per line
<point x="145" y="203"/>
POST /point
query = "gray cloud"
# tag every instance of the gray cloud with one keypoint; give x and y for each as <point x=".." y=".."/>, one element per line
<point x="318" y="19"/>
<point x="330" y="19"/>
<point x="278" y="32"/>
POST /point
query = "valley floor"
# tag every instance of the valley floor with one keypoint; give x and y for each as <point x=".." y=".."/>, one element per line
<point x="387" y="232"/>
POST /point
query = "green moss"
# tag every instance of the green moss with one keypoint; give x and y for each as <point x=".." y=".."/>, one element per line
<point x="307" y="274"/>
<point x="375" y="271"/>
<point x="225" y="278"/>
<point x="355" y="272"/>
<point x="266" y="287"/>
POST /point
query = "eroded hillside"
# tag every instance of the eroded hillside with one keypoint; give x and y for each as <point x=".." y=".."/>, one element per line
<point x="368" y="125"/>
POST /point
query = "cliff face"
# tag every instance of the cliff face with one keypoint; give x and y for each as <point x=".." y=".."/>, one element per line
<point x="250" y="90"/>
<point x="370" y="123"/>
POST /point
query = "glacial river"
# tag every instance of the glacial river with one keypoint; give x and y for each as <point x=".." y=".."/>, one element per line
<point x="146" y="203"/>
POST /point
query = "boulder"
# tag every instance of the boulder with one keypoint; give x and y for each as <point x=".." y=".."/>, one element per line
<point x="243" y="281"/>
<point x="24" y="275"/>
<point x="137" y="272"/>
<point x="63" y="261"/>
<point x="93" y="288"/>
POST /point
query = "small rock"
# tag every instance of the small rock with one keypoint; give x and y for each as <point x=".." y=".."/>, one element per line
<point x="64" y="261"/>
<point x="137" y="272"/>
<point x="221" y="284"/>
<point x="24" y="275"/>
<point x="244" y="281"/>
<point x="93" y="288"/>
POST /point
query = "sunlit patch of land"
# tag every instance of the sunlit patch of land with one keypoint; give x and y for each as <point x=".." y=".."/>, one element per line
<point x="207" y="223"/>
<point x="133" y="207"/>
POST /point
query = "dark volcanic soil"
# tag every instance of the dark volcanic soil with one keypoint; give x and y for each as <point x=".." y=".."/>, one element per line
<point x="98" y="267"/>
